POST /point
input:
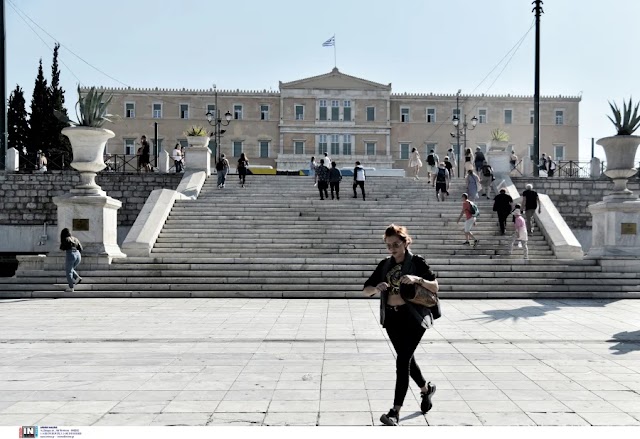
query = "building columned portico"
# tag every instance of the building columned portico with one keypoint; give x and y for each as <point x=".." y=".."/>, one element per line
<point x="347" y="117"/>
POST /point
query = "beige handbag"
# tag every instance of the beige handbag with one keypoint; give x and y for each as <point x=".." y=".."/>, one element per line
<point x="424" y="297"/>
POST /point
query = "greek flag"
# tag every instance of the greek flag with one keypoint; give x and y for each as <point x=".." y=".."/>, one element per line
<point x="330" y="42"/>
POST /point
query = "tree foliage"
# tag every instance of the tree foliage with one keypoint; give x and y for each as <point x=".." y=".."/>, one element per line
<point x="41" y="114"/>
<point x="59" y="144"/>
<point x="18" y="126"/>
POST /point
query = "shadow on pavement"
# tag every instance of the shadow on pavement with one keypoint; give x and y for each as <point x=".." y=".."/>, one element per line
<point x="626" y="342"/>
<point x="544" y="307"/>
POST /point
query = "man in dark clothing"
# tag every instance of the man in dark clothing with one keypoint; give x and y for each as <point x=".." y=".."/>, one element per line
<point x="335" y="176"/>
<point x="502" y="205"/>
<point x="322" y="172"/>
<point x="530" y="203"/>
<point x="479" y="160"/>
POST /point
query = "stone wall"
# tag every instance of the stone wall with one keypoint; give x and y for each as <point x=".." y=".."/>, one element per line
<point x="572" y="196"/>
<point x="27" y="199"/>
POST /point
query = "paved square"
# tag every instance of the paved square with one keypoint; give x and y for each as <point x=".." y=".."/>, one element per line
<point x="314" y="362"/>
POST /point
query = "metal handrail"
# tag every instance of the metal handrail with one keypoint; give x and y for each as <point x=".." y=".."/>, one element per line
<point x="124" y="163"/>
<point x="575" y="169"/>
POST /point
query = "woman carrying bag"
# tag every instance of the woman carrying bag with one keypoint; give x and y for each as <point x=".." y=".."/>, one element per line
<point x="403" y="280"/>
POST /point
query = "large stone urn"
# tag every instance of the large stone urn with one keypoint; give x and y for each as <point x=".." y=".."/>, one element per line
<point x="198" y="156"/>
<point x="616" y="219"/>
<point x="620" y="152"/>
<point x="498" y="157"/>
<point x="87" y="211"/>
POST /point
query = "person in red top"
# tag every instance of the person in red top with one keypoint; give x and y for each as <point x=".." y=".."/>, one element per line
<point x="469" y="222"/>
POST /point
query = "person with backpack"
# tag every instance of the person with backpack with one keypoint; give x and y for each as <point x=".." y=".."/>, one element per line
<point x="520" y="235"/>
<point x="396" y="279"/>
<point x="486" y="179"/>
<point x="443" y="179"/>
<point x="432" y="168"/>
<point x="359" y="178"/>
<point x="222" y="167"/>
<point x="322" y="173"/>
<point x="470" y="211"/>
<point x="479" y="159"/>
<point x="243" y="164"/>
<point x="335" y="177"/>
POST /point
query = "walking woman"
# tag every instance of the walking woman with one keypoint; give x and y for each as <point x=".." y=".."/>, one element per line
<point x="312" y="170"/>
<point x="395" y="279"/>
<point x="415" y="163"/>
<point x="243" y="164"/>
<point x="72" y="246"/>
<point x="473" y="185"/>
<point x="468" y="160"/>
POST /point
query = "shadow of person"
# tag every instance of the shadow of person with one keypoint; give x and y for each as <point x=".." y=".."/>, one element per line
<point x="543" y="307"/>
<point x="626" y="342"/>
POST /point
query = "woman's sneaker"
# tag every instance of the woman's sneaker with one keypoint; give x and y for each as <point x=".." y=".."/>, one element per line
<point x="392" y="418"/>
<point x="426" y="403"/>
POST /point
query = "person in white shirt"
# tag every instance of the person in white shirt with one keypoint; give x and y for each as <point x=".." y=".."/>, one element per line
<point x="176" y="155"/>
<point x="520" y="236"/>
<point x="359" y="178"/>
<point x="327" y="161"/>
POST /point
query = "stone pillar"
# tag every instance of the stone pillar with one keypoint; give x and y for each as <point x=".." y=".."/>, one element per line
<point x="596" y="168"/>
<point x="499" y="161"/>
<point x="199" y="159"/>
<point x="12" y="163"/>
<point x="164" y="162"/>
<point x="615" y="227"/>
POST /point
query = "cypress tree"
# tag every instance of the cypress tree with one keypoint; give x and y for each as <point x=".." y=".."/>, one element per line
<point x="59" y="144"/>
<point x="18" y="126"/>
<point x="40" y="120"/>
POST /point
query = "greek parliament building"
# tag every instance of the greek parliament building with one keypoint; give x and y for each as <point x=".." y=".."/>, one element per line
<point x="348" y="117"/>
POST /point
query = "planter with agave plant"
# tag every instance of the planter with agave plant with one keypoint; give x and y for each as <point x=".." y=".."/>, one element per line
<point x="197" y="136"/>
<point x="620" y="149"/>
<point x="499" y="140"/>
<point x="88" y="138"/>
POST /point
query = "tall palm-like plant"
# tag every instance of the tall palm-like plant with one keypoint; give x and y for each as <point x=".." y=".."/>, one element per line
<point x="91" y="110"/>
<point x="626" y="121"/>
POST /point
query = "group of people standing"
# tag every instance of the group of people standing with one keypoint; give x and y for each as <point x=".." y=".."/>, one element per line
<point x="325" y="177"/>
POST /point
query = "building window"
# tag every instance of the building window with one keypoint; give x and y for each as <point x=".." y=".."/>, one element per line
<point x="483" y="147"/>
<point x="404" y="151"/>
<point x="184" y="111"/>
<point x="455" y="113"/>
<point x="299" y="112"/>
<point x="264" y="149"/>
<point x="335" y="110"/>
<point x="298" y="147"/>
<point x="264" y="112"/>
<point x="404" y="114"/>
<point x="130" y="110"/>
<point x="335" y="145"/>
<point x="322" y="144"/>
<point x="183" y="143"/>
<point x="531" y="116"/>
<point x="157" y="111"/>
<point x="431" y="115"/>
<point x="323" y="109"/>
<point x="237" y="112"/>
<point x="130" y="146"/>
<point x="508" y="117"/>
<point x="371" y="114"/>
<point x="346" y="144"/>
<point x="370" y="147"/>
<point x="237" y="148"/>
<point x="482" y="115"/>
<point x="559" y="117"/>
<point x="346" y="111"/>
<point x="211" y="108"/>
<point x="558" y="153"/>
<point x="431" y="146"/>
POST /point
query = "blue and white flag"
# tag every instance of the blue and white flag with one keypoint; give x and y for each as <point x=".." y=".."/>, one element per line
<point x="330" y="42"/>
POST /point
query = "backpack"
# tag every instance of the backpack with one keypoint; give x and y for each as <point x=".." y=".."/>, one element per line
<point x="475" y="212"/>
<point x="431" y="160"/>
<point x="486" y="171"/>
<point x="479" y="156"/>
<point x="442" y="176"/>
<point x="219" y="166"/>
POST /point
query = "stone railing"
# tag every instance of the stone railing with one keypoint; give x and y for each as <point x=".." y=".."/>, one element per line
<point x="296" y="162"/>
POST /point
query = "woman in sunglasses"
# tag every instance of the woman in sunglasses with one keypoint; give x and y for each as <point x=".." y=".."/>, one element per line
<point x="395" y="279"/>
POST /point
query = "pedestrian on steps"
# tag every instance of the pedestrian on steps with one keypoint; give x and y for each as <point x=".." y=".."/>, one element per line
<point x="415" y="163"/>
<point x="468" y="161"/>
<point x="503" y="205"/>
<point x="442" y="182"/>
<point x="243" y="164"/>
<point x="359" y="178"/>
<point x="73" y="248"/>
<point x="322" y="173"/>
<point x="530" y="202"/>
<point x="312" y="170"/>
<point x="473" y="184"/>
<point x="432" y="167"/>
<point x="470" y="219"/>
<point x="222" y="167"/>
<point x="487" y="178"/>
<point x="454" y="162"/>
<point x="395" y="279"/>
<point x="335" y="177"/>
<point x="520" y="236"/>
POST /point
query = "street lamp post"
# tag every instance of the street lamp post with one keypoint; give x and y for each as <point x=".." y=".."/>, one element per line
<point x="456" y="124"/>
<point x="215" y="121"/>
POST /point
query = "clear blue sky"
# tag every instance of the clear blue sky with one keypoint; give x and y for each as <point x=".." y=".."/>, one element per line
<point x="435" y="46"/>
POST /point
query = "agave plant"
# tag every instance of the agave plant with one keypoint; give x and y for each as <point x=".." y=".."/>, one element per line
<point x="626" y="121"/>
<point x="91" y="110"/>
<point x="196" y="131"/>
<point x="498" y="135"/>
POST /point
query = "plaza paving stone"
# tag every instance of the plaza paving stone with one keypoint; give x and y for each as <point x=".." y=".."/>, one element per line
<point x="314" y="362"/>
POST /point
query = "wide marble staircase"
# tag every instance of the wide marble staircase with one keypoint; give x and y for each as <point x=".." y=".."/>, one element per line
<point x="276" y="238"/>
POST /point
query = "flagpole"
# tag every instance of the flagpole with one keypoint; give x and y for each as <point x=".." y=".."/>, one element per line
<point x="335" y="62"/>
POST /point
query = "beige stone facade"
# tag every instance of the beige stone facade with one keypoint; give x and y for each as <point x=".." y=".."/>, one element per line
<point x="348" y="117"/>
